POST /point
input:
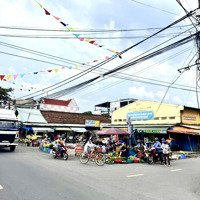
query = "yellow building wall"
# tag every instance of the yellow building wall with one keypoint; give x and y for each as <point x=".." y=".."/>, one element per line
<point x="190" y="116"/>
<point x="163" y="114"/>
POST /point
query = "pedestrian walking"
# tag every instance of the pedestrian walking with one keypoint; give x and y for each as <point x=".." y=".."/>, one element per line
<point x="166" y="149"/>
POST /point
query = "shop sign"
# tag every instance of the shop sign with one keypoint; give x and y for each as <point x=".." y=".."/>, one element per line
<point x="92" y="123"/>
<point x="142" y="115"/>
<point x="189" y="118"/>
<point x="153" y="131"/>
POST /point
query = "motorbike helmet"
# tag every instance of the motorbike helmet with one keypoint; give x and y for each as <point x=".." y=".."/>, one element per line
<point x="156" y="139"/>
<point x="163" y="139"/>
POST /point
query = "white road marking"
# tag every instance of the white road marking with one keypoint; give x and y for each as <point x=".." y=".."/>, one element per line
<point x="1" y="188"/>
<point x="175" y="170"/>
<point x="134" y="175"/>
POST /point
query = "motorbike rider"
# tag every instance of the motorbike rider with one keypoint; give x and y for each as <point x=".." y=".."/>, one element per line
<point x="158" y="148"/>
<point x="59" y="143"/>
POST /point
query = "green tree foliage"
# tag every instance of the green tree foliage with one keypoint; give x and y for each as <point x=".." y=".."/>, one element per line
<point x="4" y="94"/>
<point x="88" y="113"/>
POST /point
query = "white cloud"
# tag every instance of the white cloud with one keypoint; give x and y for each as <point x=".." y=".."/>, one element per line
<point x="177" y="100"/>
<point x="141" y="93"/>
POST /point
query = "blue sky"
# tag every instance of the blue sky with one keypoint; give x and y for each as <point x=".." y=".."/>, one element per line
<point x="98" y="14"/>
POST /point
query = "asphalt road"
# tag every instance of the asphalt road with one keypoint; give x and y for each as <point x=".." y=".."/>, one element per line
<point x="29" y="174"/>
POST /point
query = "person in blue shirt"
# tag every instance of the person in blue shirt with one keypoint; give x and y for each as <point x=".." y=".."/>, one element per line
<point x="158" y="148"/>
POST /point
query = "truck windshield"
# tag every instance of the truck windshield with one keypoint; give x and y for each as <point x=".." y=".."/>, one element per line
<point x="8" y="125"/>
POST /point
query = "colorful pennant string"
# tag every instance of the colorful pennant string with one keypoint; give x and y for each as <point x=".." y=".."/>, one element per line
<point x="7" y="77"/>
<point x="78" y="36"/>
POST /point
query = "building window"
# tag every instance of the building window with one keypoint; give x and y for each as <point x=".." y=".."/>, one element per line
<point x="115" y="120"/>
<point x="124" y="120"/>
<point x="163" y="118"/>
<point x="120" y="120"/>
<point x="156" y="118"/>
<point x="171" y="117"/>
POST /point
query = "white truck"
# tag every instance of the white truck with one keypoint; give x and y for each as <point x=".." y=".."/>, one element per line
<point x="8" y="129"/>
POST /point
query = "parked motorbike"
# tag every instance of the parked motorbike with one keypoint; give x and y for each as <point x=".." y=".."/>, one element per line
<point x="63" y="154"/>
<point x="152" y="156"/>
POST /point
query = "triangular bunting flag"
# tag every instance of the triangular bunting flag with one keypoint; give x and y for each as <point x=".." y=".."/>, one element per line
<point x="49" y="70"/>
<point x="70" y="29"/>
<point x="35" y="72"/>
<point x="46" y="12"/>
<point x="15" y="76"/>
<point x="38" y="4"/>
<point x="81" y="39"/>
<point x="76" y="66"/>
<point x="56" y="70"/>
<point x="76" y="35"/>
<point x="92" y="42"/>
<point x="22" y="75"/>
<point x="113" y="56"/>
<point x="57" y="18"/>
<point x="8" y="77"/>
<point x="63" y="24"/>
<point x="119" y="55"/>
<point x="2" y="77"/>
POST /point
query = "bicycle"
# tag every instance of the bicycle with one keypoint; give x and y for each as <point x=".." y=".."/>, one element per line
<point x="95" y="156"/>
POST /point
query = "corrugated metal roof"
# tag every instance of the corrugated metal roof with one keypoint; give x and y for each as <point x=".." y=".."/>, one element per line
<point x="30" y="115"/>
<point x="56" y="102"/>
<point x="183" y="130"/>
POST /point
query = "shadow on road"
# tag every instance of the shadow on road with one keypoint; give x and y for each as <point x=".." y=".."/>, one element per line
<point x="5" y="150"/>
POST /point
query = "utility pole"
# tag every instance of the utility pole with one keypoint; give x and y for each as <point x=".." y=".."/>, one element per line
<point x="198" y="55"/>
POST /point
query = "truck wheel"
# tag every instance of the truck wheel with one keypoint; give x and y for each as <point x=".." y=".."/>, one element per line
<point x="12" y="148"/>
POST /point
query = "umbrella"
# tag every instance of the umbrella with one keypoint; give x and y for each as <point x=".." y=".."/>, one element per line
<point x="113" y="131"/>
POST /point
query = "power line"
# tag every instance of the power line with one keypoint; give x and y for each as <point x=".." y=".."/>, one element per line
<point x="134" y="75"/>
<point x="169" y="12"/>
<point x="43" y="54"/>
<point x="72" y="38"/>
<point x="155" y="53"/>
<point x="38" y="53"/>
<point x="122" y="52"/>
<point x="87" y="30"/>
<point x="173" y="82"/>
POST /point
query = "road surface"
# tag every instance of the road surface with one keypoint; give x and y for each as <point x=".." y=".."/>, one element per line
<point x="29" y="174"/>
